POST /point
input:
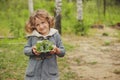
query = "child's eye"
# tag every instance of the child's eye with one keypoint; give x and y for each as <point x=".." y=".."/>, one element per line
<point x="42" y="22"/>
<point x="37" y="25"/>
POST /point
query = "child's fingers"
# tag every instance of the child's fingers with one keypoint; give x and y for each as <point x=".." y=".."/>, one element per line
<point x="54" y="46"/>
<point x="34" y="47"/>
<point x="35" y="51"/>
<point x="52" y="51"/>
<point x="56" y="50"/>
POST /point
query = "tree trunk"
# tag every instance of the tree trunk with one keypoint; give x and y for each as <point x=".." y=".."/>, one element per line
<point x="69" y="0"/>
<point x="104" y="3"/>
<point x="98" y="7"/>
<point x="58" y="4"/>
<point x="80" y="28"/>
<point x="117" y="1"/>
<point x="79" y="10"/>
<point x="30" y="5"/>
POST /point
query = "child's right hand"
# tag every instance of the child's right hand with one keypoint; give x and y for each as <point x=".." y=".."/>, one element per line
<point x="35" y="50"/>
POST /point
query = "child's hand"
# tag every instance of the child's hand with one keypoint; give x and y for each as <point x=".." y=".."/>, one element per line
<point x="55" y="50"/>
<point x="35" y="50"/>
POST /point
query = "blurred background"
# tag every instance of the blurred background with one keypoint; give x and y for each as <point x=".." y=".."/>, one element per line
<point x="81" y="20"/>
<point x="14" y="14"/>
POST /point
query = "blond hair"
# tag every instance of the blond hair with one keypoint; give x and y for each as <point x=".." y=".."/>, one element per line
<point x="40" y="14"/>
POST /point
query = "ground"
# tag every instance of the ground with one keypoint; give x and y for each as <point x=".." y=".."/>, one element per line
<point x="92" y="57"/>
<point x="95" y="57"/>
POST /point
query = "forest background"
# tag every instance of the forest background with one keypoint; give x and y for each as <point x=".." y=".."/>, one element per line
<point x="15" y="13"/>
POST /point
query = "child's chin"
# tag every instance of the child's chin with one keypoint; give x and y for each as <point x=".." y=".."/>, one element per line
<point x="43" y="33"/>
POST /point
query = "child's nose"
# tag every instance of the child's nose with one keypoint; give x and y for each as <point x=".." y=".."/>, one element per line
<point x="42" y="26"/>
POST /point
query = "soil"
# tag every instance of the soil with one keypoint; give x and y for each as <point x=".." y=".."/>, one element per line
<point x="95" y="57"/>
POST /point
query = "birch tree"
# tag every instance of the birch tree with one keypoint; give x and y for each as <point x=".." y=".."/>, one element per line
<point x="79" y="10"/>
<point x="30" y="5"/>
<point x="104" y="4"/>
<point x="80" y="28"/>
<point x="69" y="0"/>
<point x="98" y="7"/>
<point x="58" y="4"/>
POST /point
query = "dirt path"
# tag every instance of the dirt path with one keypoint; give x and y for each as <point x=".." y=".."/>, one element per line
<point x="96" y="57"/>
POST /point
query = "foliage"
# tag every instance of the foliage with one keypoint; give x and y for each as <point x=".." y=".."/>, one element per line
<point x="81" y="28"/>
<point x="116" y="71"/>
<point x="15" y="14"/>
<point x="105" y="34"/>
<point x="44" y="46"/>
<point x="107" y="43"/>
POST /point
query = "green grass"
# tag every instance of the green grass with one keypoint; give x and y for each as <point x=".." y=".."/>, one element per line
<point x="65" y="72"/>
<point x="107" y="43"/>
<point x="68" y="47"/>
<point x="12" y="62"/>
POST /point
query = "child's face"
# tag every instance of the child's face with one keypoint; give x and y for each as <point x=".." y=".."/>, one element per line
<point x="42" y="26"/>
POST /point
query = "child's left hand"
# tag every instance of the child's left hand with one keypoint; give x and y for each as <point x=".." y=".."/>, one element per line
<point x="55" y="50"/>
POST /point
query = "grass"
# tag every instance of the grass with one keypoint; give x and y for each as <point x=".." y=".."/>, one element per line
<point x="105" y="34"/>
<point x="12" y="62"/>
<point x="107" y="43"/>
<point x="4" y="32"/>
<point x="93" y="63"/>
<point x="116" y="71"/>
<point x="68" y="47"/>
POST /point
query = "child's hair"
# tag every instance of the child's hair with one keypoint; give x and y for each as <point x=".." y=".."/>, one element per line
<point x="40" y="14"/>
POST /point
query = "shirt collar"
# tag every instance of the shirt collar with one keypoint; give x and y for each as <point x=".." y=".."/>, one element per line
<point x="35" y="33"/>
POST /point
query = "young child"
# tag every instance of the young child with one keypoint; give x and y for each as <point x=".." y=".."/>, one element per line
<point x="38" y="28"/>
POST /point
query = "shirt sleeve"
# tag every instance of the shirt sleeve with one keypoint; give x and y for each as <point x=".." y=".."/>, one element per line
<point x="28" y="47"/>
<point x="59" y="44"/>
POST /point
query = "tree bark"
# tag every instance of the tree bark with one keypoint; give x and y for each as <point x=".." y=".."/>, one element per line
<point x="104" y="11"/>
<point x="69" y="0"/>
<point x="98" y="7"/>
<point x="30" y="5"/>
<point x="79" y="10"/>
<point x="58" y="4"/>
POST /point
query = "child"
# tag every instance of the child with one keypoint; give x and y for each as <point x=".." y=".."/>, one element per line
<point x="42" y="67"/>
